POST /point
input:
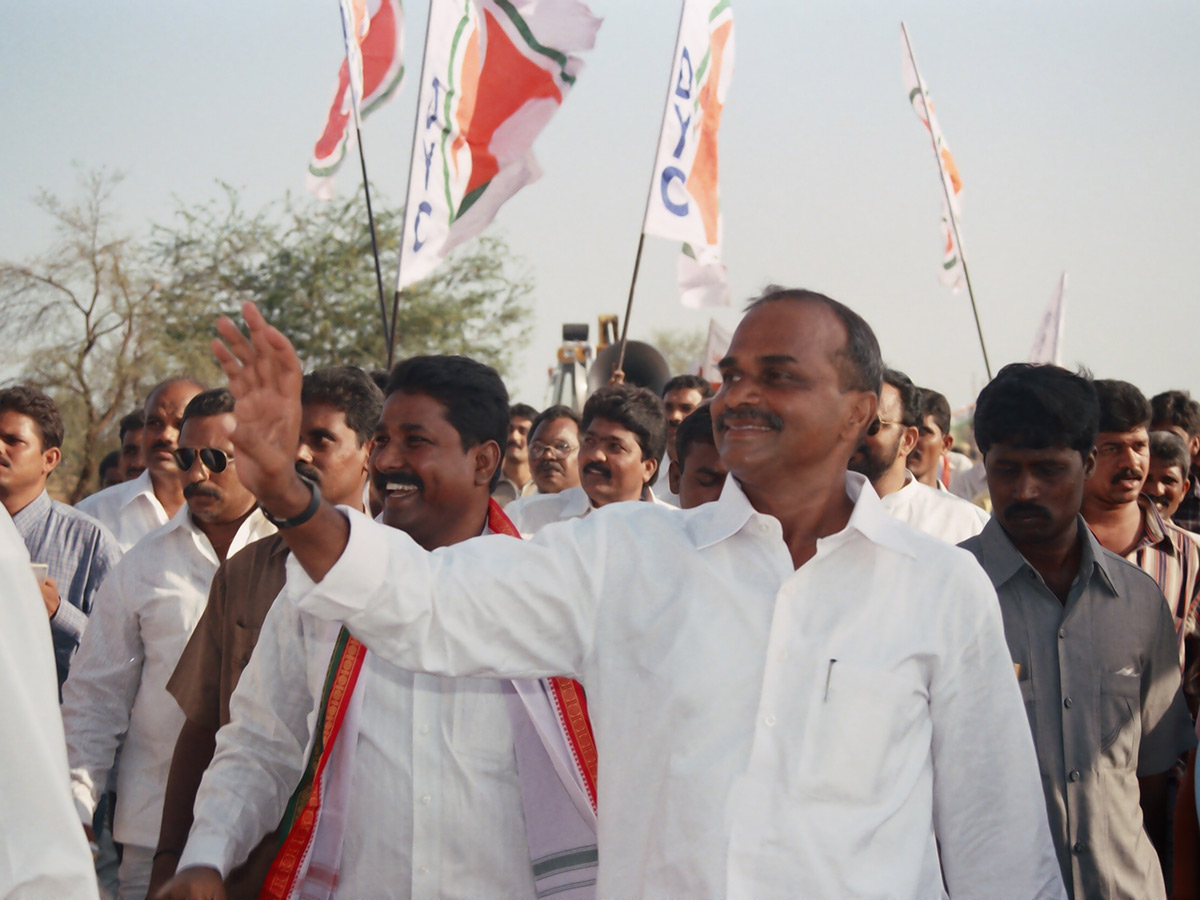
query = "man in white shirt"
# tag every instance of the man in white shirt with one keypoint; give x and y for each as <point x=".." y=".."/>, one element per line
<point x="134" y="508"/>
<point x="882" y="456"/>
<point x="622" y="437"/>
<point x="818" y="703"/>
<point x="43" y="853"/>
<point x="934" y="440"/>
<point x="116" y="698"/>
<point x="434" y="800"/>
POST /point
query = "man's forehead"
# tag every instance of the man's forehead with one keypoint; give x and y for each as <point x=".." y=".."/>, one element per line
<point x="322" y="415"/>
<point x="683" y="395"/>
<point x="1021" y="453"/>
<point x="208" y="431"/>
<point x="1137" y="435"/>
<point x="787" y="328"/>
<point x="172" y="397"/>
<point x="1174" y="429"/>
<point x="609" y="428"/>
<point x="562" y="423"/>
<point x="411" y="410"/>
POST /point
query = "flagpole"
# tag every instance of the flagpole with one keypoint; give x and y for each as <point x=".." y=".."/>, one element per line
<point x="390" y="336"/>
<point x="962" y="256"/>
<point x="637" y="260"/>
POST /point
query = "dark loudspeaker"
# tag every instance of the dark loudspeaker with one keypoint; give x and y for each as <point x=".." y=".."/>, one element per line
<point x="644" y="366"/>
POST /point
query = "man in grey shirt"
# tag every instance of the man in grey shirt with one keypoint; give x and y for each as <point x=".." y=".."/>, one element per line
<point x="1091" y="636"/>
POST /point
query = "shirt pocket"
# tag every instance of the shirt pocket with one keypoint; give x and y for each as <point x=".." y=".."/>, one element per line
<point x="1120" y="718"/>
<point x="861" y="731"/>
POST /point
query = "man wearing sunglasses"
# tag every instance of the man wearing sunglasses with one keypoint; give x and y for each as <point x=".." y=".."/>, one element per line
<point x="883" y="456"/>
<point x="144" y="614"/>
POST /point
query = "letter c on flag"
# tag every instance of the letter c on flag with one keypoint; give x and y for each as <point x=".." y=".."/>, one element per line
<point x="423" y="210"/>
<point x="673" y="173"/>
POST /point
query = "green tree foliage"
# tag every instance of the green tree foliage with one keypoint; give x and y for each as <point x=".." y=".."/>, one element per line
<point x="683" y="350"/>
<point x="309" y="267"/>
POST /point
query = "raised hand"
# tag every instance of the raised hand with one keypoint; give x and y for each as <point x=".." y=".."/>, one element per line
<point x="265" y="377"/>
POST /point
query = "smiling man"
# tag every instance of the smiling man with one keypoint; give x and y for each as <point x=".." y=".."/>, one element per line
<point x="115" y="700"/>
<point x="815" y="700"/>
<point x="1167" y="481"/>
<point x="1091" y="636"/>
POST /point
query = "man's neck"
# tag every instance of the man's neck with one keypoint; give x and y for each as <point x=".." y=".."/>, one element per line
<point x="596" y="504"/>
<point x="518" y="473"/>
<point x="221" y="534"/>
<point x="1117" y="527"/>
<point x="168" y="490"/>
<point x="470" y="524"/>
<point x="1056" y="560"/>
<point x="891" y="480"/>
<point x="14" y="503"/>
<point x="929" y="479"/>
<point x="808" y="505"/>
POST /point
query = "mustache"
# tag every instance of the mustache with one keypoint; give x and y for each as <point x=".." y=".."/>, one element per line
<point x="749" y="413"/>
<point x="162" y="444"/>
<point x="382" y="479"/>
<point x="1026" y="509"/>
<point x="1132" y="474"/>
<point x="310" y="472"/>
<point x="198" y="489"/>
<point x="597" y="468"/>
<point x="547" y="466"/>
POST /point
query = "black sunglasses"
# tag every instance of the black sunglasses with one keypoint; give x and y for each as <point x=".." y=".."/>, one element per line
<point x="214" y="460"/>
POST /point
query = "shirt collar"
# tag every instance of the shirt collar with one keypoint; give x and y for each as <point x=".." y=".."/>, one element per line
<point x="1154" y="530"/>
<point x="714" y="522"/>
<point x="575" y="503"/>
<point x="32" y="515"/>
<point x="1001" y="559"/>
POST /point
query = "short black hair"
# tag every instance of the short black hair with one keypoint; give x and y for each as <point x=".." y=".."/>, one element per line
<point x="936" y="405"/>
<point x="1170" y="449"/>
<point x="474" y="395"/>
<point x="38" y="405"/>
<point x="1176" y="408"/>
<point x="551" y="413"/>
<point x="859" y="362"/>
<point x="214" y="402"/>
<point x="690" y="383"/>
<point x="522" y="411"/>
<point x="1036" y="407"/>
<point x="380" y="377"/>
<point x="1122" y="406"/>
<point x="134" y="421"/>
<point x="910" y="397"/>
<point x="110" y="461"/>
<point x="349" y="389"/>
<point x="636" y="408"/>
<point x="696" y="428"/>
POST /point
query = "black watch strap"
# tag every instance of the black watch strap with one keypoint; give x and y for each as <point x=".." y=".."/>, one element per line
<point x="309" y="511"/>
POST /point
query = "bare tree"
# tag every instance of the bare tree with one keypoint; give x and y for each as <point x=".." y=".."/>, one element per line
<point x="75" y="316"/>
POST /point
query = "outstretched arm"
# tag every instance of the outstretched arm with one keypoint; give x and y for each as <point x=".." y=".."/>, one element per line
<point x="265" y="378"/>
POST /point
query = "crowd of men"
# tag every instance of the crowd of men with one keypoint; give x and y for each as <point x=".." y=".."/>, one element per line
<point x="513" y="657"/>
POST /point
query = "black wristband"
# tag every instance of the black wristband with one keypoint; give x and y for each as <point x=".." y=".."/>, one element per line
<point x="309" y="511"/>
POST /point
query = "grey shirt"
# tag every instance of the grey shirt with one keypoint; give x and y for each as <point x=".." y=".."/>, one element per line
<point x="1100" y="680"/>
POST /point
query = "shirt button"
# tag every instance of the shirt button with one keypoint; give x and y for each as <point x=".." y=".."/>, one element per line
<point x="763" y="527"/>
<point x="426" y="800"/>
<point x="769" y="720"/>
<point x="1074" y="776"/>
<point x="1062" y="632"/>
<point x="424" y="729"/>
<point x="1067" y="702"/>
<point x="1079" y="847"/>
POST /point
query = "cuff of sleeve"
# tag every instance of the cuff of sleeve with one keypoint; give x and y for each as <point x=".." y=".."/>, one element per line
<point x="209" y="850"/>
<point x="354" y="578"/>
<point x="69" y="620"/>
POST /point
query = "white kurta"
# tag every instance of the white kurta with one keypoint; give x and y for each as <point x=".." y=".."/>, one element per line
<point x="536" y="512"/>
<point x="43" y="853"/>
<point x="435" y="802"/>
<point x="762" y="731"/>
<point x="938" y="513"/>
<point x="129" y="509"/>
<point x="116" y="694"/>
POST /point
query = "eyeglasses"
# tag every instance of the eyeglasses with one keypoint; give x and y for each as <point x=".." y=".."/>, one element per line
<point x="559" y="449"/>
<point x="214" y="460"/>
<point x="879" y="424"/>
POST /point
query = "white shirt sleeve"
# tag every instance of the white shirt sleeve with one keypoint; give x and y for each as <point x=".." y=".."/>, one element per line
<point x="260" y="753"/>
<point x="99" y="693"/>
<point x="43" y="853"/>
<point x="491" y="606"/>
<point x="988" y="808"/>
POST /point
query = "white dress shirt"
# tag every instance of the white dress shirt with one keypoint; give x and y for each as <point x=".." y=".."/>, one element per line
<point x="129" y="509"/>
<point x="43" y="853"/>
<point x="144" y="614"/>
<point x="938" y="513"/>
<point x="531" y="514"/>
<point x="435" y="803"/>
<point x="762" y="730"/>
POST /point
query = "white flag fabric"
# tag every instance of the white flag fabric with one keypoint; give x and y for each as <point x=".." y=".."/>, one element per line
<point x="717" y="347"/>
<point x="918" y="95"/>
<point x="372" y="71"/>
<point x="684" y="200"/>
<point x="1047" y="345"/>
<point x="495" y="73"/>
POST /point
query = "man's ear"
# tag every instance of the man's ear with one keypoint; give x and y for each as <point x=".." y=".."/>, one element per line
<point x="1089" y="464"/>
<point x="50" y="459"/>
<point x="487" y="459"/>
<point x="649" y="467"/>
<point x="1194" y="446"/>
<point x="947" y="443"/>
<point x="864" y="407"/>
<point x="908" y="440"/>
<point x="674" y="474"/>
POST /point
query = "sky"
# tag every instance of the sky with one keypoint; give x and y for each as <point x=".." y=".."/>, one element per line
<point x="1076" y="128"/>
